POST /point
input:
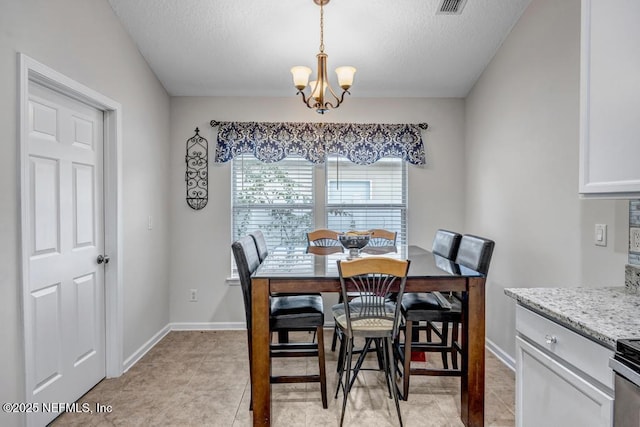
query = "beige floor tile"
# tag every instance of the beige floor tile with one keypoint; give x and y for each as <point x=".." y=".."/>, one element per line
<point x="193" y="378"/>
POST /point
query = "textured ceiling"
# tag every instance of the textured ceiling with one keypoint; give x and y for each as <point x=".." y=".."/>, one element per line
<point x="401" y="48"/>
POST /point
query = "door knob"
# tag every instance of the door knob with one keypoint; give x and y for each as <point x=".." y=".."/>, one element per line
<point x="102" y="258"/>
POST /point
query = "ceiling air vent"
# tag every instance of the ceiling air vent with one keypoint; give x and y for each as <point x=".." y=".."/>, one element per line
<point x="451" y="7"/>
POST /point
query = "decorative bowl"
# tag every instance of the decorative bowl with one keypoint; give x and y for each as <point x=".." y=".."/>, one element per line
<point x="355" y="241"/>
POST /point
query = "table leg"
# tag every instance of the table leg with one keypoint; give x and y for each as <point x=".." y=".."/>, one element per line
<point x="261" y="371"/>
<point x="473" y="361"/>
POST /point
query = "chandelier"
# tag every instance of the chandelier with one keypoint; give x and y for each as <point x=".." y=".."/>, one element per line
<point x="318" y="97"/>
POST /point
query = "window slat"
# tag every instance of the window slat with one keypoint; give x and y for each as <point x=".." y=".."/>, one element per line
<point x="276" y="198"/>
<point x="362" y="197"/>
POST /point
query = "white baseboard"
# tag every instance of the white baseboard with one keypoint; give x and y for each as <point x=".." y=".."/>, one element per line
<point x="138" y="354"/>
<point x="509" y="361"/>
<point x="208" y="326"/>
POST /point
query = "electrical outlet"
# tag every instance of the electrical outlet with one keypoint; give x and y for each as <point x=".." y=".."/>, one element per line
<point x="193" y="295"/>
<point x="634" y="239"/>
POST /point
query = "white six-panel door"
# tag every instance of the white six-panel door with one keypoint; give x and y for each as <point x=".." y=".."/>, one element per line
<point x="65" y="302"/>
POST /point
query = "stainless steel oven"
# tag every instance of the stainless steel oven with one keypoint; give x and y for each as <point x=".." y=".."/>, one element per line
<point x="626" y="365"/>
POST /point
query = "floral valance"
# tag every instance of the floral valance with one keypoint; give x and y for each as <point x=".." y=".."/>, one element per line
<point x="361" y="143"/>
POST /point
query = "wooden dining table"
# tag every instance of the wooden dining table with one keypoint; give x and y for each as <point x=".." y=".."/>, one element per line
<point x="298" y="270"/>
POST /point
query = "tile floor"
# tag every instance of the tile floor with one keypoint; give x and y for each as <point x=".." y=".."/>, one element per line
<point x="202" y="379"/>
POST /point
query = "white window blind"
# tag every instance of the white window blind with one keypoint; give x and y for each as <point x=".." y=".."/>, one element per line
<point x="362" y="197"/>
<point x="276" y="198"/>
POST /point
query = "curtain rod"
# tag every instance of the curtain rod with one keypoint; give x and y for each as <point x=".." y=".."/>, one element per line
<point x="423" y="126"/>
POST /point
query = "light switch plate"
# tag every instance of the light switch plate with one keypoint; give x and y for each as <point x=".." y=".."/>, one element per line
<point x="634" y="239"/>
<point x="600" y="238"/>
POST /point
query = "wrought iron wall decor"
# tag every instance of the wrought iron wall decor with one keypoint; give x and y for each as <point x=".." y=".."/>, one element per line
<point x="197" y="177"/>
<point x="361" y="143"/>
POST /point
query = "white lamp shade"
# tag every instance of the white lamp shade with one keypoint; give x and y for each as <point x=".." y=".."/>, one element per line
<point x="316" y="90"/>
<point x="300" y="76"/>
<point x="345" y="76"/>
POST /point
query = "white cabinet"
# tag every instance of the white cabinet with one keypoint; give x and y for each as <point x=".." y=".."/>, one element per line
<point x="562" y="378"/>
<point x="610" y="98"/>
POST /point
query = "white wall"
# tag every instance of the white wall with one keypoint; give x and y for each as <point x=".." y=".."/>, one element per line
<point x="201" y="240"/>
<point x="83" y="40"/>
<point x="522" y="120"/>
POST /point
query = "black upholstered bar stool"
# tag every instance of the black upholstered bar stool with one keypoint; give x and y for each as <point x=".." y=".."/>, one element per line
<point x="261" y="244"/>
<point x="288" y="313"/>
<point x="473" y="253"/>
<point x="445" y="244"/>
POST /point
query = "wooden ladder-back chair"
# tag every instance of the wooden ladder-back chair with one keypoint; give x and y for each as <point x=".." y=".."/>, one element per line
<point x="323" y="242"/>
<point x="323" y="237"/>
<point x="381" y="237"/>
<point x="372" y="316"/>
<point x="288" y="313"/>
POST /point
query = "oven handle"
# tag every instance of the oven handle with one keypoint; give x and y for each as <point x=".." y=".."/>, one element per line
<point x="622" y="369"/>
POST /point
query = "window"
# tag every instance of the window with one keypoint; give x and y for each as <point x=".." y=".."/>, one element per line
<point x="276" y="198"/>
<point x="359" y="190"/>
<point x="362" y="197"/>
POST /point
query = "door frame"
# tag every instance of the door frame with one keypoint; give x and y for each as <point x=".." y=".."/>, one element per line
<point x="31" y="70"/>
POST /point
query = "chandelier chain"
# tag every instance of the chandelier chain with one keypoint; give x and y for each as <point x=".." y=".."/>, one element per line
<point x="321" y="27"/>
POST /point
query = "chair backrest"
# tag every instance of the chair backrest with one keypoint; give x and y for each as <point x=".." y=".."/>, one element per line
<point x="261" y="244"/>
<point x="324" y="250"/>
<point x="247" y="261"/>
<point x="446" y="243"/>
<point x="475" y="253"/>
<point x="381" y="237"/>
<point x="373" y="278"/>
<point x="323" y="237"/>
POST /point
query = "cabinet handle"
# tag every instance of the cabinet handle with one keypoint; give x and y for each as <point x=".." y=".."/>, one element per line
<point x="550" y="339"/>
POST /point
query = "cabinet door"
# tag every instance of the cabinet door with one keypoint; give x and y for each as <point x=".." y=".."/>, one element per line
<point x="550" y="394"/>
<point x="610" y="98"/>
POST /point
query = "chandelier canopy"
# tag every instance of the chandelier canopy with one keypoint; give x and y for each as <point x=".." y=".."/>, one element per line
<point x="318" y="97"/>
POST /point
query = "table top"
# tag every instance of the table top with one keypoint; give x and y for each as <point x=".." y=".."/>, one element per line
<point x="310" y="263"/>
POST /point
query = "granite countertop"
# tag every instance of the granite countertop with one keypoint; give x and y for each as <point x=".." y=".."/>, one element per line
<point x="602" y="314"/>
